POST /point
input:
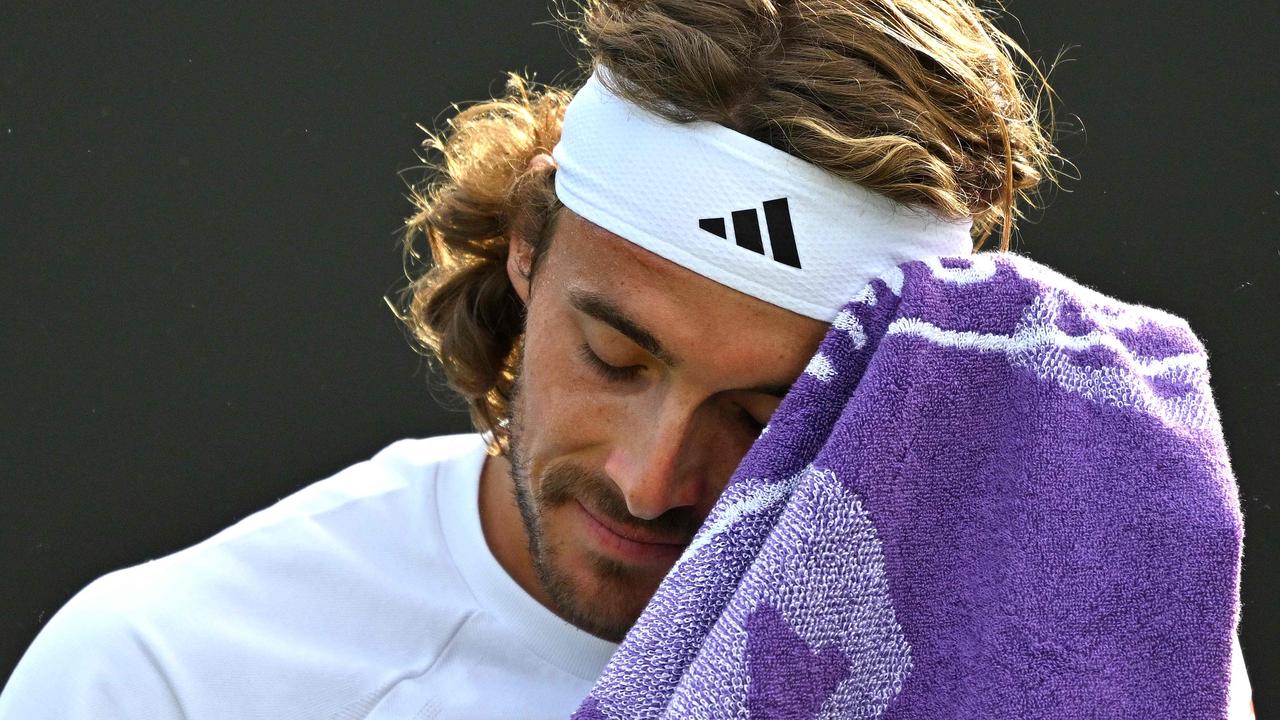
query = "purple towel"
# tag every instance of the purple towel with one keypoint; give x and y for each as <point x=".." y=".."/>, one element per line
<point x="994" y="493"/>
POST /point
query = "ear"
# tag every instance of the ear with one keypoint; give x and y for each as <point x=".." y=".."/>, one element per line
<point x="519" y="248"/>
<point x="519" y="262"/>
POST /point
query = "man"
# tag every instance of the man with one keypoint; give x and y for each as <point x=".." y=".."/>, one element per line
<point x="615" y="387"/>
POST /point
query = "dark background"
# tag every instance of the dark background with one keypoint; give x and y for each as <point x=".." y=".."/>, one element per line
<point x="200" y="210"/>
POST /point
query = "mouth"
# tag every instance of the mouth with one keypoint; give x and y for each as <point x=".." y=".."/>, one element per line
<point x="634" y="546"/>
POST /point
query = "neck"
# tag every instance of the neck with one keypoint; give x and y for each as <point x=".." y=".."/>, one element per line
<point x="504" y="529"/>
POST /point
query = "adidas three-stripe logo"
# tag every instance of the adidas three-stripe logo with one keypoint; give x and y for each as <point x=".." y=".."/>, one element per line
<point x="746" y="230"/>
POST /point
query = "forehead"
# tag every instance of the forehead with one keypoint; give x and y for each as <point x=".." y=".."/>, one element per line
<point x="684" y="309"/>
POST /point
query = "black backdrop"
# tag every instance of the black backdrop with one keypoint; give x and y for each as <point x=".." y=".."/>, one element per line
<point x="199" y="213"/>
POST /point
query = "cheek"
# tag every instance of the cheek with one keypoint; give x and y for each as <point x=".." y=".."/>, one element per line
<point x="564" y="404"/>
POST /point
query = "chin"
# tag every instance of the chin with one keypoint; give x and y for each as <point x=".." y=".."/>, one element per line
<point x="595" y="593"/>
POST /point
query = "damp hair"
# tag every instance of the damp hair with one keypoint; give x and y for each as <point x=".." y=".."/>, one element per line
<point x="924" y="101"/>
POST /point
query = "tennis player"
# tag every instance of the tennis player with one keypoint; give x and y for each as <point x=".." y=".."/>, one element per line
<point x="620" y="349"/>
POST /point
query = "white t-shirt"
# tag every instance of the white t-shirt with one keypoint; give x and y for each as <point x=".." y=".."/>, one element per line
<point x="370" y="594"/>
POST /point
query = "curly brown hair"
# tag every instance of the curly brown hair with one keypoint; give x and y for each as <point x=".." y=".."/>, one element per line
<point x="920" y="100"/>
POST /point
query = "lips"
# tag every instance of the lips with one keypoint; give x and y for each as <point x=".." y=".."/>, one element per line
<point x="634" y="534"/>
<point x="632" y="543"/>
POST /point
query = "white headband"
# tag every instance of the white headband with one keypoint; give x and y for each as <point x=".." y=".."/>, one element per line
<point x="696" y="194"/>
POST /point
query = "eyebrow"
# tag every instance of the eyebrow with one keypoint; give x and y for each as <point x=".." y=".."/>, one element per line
<point x="608" y="312"/>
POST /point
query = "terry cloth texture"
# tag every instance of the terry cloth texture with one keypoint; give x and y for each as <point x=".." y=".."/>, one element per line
<point x="994" y="493"/>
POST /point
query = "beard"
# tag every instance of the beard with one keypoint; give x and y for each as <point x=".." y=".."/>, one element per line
<point x="611" y="596"/>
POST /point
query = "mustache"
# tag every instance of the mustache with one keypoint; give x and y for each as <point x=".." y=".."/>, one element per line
<point x="566" y="482"/>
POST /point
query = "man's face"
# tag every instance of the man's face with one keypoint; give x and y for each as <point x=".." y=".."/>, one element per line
<point x="642" y="385"/>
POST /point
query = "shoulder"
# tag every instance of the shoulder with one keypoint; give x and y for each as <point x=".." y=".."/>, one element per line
<point x="323" y="592"/>
<point x="379" y="514"/>
<point x="92" y="660"/>
<point x="411" y="466"/>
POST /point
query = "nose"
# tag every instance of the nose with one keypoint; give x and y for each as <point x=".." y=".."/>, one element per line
<point x="652" y="462"/>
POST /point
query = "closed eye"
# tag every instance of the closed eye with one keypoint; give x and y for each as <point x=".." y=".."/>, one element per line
<point x="612" y="373"/>
<point x="749" y="421"/>
<point x="754" y="410"/>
